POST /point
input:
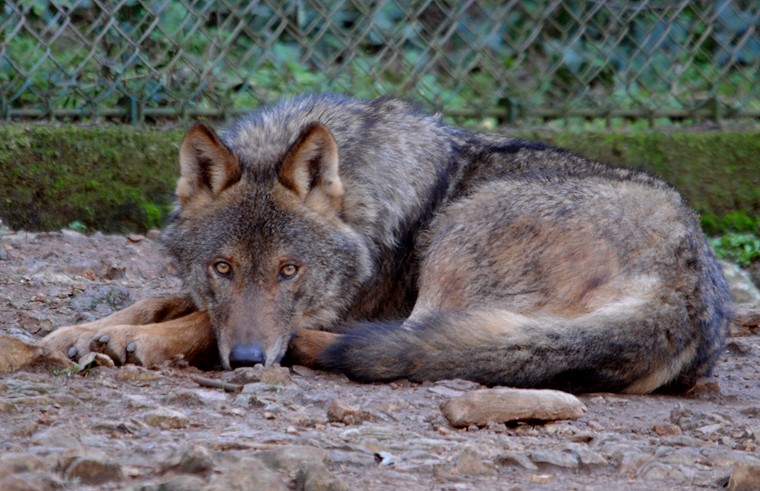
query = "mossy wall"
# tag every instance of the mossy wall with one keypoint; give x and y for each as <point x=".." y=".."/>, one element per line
<point x="121" y="179"/>
<point x="718" y="172"/>
<point x="115" y="179"/>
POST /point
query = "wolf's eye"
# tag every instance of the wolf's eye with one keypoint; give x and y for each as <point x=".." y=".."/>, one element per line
<point x="222" y="267"/>
<point x="288" y="271"/>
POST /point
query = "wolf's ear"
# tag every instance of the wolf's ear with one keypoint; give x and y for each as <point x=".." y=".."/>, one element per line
<point x="310" y="169"/>
<point x="206" y="164"/>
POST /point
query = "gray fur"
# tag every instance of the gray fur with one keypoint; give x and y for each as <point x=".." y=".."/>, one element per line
<point x="512" y="262"/>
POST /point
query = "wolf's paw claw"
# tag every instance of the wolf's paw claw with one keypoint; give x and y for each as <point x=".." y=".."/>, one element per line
<point x="132" y="356"/>
<point x="99" y="344"/>
<point x="72" y="352"/>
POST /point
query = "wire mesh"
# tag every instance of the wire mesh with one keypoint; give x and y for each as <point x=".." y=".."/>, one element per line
<point x="136" y="60"/>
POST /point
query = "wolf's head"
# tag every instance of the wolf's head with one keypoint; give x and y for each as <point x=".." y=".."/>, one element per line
<point x="260" y="240"/>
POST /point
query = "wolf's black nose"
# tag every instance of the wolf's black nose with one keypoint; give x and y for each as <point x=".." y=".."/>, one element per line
<point x="246" y="355"/>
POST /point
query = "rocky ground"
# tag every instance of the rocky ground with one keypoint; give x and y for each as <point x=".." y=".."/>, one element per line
<point x="135" y="428"/>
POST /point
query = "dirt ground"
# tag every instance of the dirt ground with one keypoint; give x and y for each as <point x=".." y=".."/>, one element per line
<point x="132" y="428"/>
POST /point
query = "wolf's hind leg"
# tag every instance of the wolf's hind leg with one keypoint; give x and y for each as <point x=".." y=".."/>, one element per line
<point x="75" y="341"/>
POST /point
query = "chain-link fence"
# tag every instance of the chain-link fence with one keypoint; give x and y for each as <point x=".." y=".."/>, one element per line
<point x="528" y="60"/>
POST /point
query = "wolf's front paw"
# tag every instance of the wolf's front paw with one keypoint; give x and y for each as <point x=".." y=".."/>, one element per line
<point x="126" y="344"/>
<point x="73" y="341"/>
<point x="123" y="344"/>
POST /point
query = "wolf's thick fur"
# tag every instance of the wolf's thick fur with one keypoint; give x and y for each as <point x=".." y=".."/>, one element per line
<point x="373" y="239"/>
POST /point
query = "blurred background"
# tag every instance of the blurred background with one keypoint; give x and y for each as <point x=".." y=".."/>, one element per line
<point x="649" y="62"/>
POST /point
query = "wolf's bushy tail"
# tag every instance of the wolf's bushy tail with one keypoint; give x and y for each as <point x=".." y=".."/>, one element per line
<point x="600" y="351"/>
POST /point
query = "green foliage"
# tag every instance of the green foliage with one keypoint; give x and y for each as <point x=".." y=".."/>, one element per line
<point x="154" y="214"/>
<point x="232" y="55"/>
<point x="68" y="372"/>
<point x="734" y="221"/>
<point x="78" y="226"/>
<point x="743" y="249"/>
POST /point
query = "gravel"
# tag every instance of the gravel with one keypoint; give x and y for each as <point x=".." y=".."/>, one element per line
<point x="133" y="428"/>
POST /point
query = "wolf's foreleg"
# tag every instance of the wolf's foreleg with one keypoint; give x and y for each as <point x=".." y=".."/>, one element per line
<point x="146" y="333"/>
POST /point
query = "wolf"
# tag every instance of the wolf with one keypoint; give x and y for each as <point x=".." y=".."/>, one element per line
<point x="371" y="238"/>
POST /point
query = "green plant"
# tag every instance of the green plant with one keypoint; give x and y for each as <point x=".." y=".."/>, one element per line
<point x="743" y="249"/>
<point x="200" y="58"/>
<point x="70" y="371"/>
<point x="78" y="226"/>
<point x="154" y="214"/>
<point x="734" y="221"/>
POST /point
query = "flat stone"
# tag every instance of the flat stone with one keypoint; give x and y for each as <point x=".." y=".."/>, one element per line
<point x="316" y="477"/>
<point x="470" y="463"/>
<point x="192" y="460"/>
<point x="542" y="478"/>
<point x="589" y="457"/>
<point x="558" y="458"/>
<point x="246" y="472"/>
<point x="659" y="471"/>
<point x="303" y="371"/>
<point x="681" y="456"/>
<point x="17" y="463"/>
<point x="166" y="419"/>
<point x="459" y="384"/>
<point x="445" y="391"/>
<point x="182" y="482"/>
<point x="276" y="375"/>
<point x="135" y="373"/>
<point x="32" y="481"/>
<point x="747" y="318"/>
<point x="519" y="458"/>
<point x="484" y="406"/>
<point x="187" y="398"/>
<point x="341" y="412"/>
<point x="688" y="420"/>
<point x="7" y="407"/>
<point x="709" y="429"/>
<point x="291" y="458"/>
<point x="351" y="457"/>
<point x="90" y="470"/>
<point x="16" y="354"/>
<point x="666" y="429"/>
<point x="244" y="375"/>
<point x="743" y="290"/>
<point x="103" y="299"/>
<point x="719" y="456"/>
<point x="632" y="461"/>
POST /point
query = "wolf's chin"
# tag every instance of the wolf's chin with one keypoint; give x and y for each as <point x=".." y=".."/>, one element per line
<point x="276" y="352"/>
<point x="224" y="354"/>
